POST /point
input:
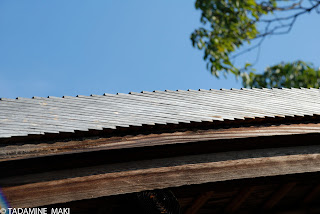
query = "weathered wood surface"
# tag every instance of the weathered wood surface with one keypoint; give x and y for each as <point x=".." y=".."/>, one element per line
<point x="39" y="116"/>
<point x="11" y="152"/>
<point x="162" y="174"/>
<point x="78" y="171"/>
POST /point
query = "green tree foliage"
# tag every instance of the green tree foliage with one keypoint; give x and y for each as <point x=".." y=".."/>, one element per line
<point x="229" y="24"/>
<point x="295" y="75"/>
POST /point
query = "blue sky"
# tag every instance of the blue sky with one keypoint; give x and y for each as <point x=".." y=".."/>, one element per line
<point x="86" y="47"/>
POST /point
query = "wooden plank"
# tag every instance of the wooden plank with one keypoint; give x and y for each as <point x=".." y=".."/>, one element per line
<point x="199" y="202"/>
<point x="26" y="151"/>
<point x="237" y="201"/>
<point x="76" y="169"/>
<point x="278" y="195"/>
<point x="114" y="183"/>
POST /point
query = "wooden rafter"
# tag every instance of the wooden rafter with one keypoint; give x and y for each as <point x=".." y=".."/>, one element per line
<point x="241" y="197"/>
<point x="278" y="195"/>
<point x="199" y="202"/>
<point x="311" y="195"/>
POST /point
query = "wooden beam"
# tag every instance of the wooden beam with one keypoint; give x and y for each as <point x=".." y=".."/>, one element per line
<point x="223" y="157"/>
<point x="237" y="201"/>
<point x="278" y="195"/>
<point x="199" y="202"/>
<point x="311" y="195"/>
<point x="29" y="150"/>
<point x="157" y="175"/>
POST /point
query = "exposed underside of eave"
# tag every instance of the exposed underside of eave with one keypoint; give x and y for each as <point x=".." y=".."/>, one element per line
<point x="297" y="193"/>
<point x="30" y="149"/>
<point x="48" y="188"/>
<point x="57" y="172"/>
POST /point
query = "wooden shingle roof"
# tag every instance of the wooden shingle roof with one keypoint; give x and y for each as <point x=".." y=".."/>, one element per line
<point x="67" y="150"/>
<point x="38" y="116"/>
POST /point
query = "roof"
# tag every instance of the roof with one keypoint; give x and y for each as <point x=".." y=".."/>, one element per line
<point x="85" y="147"/>
<point x="38" y="116"/>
